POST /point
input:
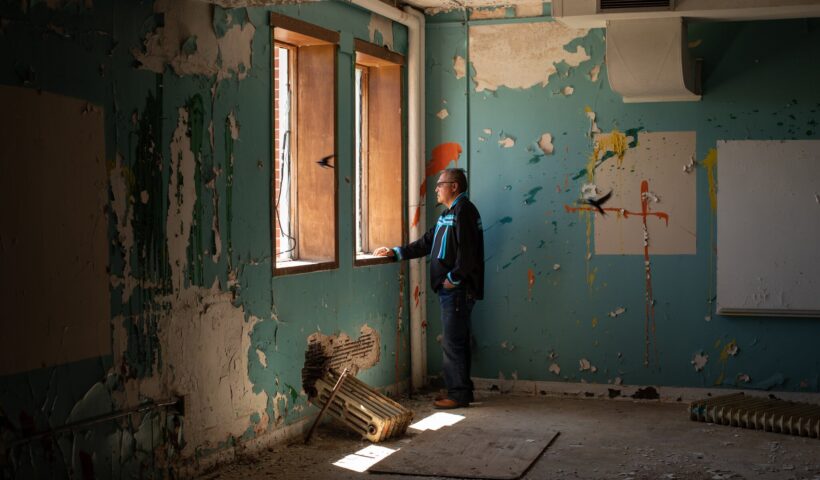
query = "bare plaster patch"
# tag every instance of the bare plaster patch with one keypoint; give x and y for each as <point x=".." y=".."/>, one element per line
<point x="594" y="72"/>
<point x="503" y="55"/>
<point x="529" y="10"/>
<point x="699" y="361"/>
<point x="125" y="214"/>
<point x="205" y="342"/>
<point x="187" y="42"/>
<point x="545" y="143"/>
<point x="384" y="27"/>
<point x="181" y="200"/>
<point x="459" y="66"/>
<point x="487" y="12"/>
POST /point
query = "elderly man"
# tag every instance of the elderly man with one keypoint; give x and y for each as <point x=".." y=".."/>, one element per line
<point x="456" y="247"/>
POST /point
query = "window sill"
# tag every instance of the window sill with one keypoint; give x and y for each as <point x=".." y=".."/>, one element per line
<point x="293" y="267"/>
<point x="364" y="260"/>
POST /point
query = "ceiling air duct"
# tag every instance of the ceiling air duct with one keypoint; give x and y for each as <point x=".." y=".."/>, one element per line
<point x="649" y="61"/>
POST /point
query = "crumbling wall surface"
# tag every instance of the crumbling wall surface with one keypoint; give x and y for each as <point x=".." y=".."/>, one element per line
<point x="136" y="169"/>
<point x="599" y="216"/>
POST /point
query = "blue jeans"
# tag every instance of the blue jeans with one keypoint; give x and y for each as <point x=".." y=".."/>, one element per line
<point x="456" y="306"/>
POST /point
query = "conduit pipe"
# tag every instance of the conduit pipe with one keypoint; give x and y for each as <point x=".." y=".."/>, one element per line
<point x="414" y="21"/>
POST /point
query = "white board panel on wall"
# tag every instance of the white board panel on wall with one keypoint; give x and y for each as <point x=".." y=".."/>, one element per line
<point x="768" y="227"/>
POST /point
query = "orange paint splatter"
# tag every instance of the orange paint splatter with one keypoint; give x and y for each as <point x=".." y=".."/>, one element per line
<point x="416" y="295"/>
<point x="442" y="156"/>
<point x="530" y="282"/>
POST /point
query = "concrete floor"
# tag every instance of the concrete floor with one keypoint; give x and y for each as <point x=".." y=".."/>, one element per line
<point x="619" y="439"/>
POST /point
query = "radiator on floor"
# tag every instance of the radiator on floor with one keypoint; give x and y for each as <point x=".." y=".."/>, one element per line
<point x="362" y="408"/>
<point x="739" y="410"/>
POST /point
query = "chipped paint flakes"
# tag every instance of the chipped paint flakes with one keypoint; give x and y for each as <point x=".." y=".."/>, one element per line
<point x="743" y="378"/>
<point x="506" y="141"/>
<point x="567" y="91"/>
<point x="650" y="197"/>
<point x="186" y="19"/>
<point x="507" y="345"/>
<point x="122" y="206"/>
<point x="589" y="190"/>
<point x="206" y="340"/>
<point x="618" y="311"/>
<point x="488" y="12"/>
<point x="380" y="28"/>
<point x="263" y="358"/>
<point x="556" y="267"/>
<point x="555" y="368"/>
<point x="488" y="131"/>
<point x="689" y="167"/>
<point x="699" y="361"/>
<point x="502" y="55"/>
<point x="584" y="365"/>
<point x="442" y="114"/>
<point x="593" y="125"/>
<point x="459" y="66"/>
<point x="594" y="72"/>
<point x="181" y="200"/>
<point x="545" y="144"/>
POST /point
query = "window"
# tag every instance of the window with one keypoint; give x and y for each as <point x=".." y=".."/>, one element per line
<point x="379" y="165"/>
<point x="304" y="193"/>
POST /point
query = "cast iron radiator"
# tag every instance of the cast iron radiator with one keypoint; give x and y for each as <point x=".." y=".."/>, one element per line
<point x="362" y="408"/>
<point x="739" y="410"/>
<point x="357" y="405"/>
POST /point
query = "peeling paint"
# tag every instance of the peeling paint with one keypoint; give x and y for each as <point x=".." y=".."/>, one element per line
<point x="583" y="365"/>
<point x="460" y="68"/>
<point x="482" y="13"/>
<point x="618" y="311"/>
<point x="545" y="143"/>
<point x="442" y="114"/>
<point x="507" y="142"/>
<point x="555" y="368"/>
<point x="125" y="216"/>
<point x="593" y="73"/>
<point x="699" y="361"/>
<point x="380" y="30"/>
<point x="593" y="125"/>
<point x="207" y="341"/>
<point x="567" y="91"/>
<point x="502" y="55"/>
<point x="182" y="198"/>
<point x="224" y="57"/>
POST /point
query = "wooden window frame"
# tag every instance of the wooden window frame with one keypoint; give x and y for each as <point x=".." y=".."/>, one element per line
<point x="372" y="56"/>
<point x="296" y="33"/>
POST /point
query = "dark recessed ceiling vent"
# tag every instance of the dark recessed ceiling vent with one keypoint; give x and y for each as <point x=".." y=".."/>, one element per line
<point x="619" y="5"/>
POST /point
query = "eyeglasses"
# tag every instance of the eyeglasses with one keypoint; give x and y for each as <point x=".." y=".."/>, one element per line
<point x="439" y="184"/>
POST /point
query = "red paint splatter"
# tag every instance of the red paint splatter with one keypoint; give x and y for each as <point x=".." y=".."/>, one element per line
<point x="416" y="295"/>
<point x="424" y="324"/>
<point x="649" y="307"/>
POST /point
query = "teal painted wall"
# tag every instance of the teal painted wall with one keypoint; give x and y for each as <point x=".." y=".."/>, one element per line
<point x="759" y="82"/>
<point x="88" y="53"/>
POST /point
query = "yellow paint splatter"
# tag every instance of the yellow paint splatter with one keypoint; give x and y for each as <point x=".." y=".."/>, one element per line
<point x="710" y="162"/>
<point x="614" y="142"/>
<point x="728" y="350"/>
<point x="591" y="276"/>
<point x="594" y="322"/>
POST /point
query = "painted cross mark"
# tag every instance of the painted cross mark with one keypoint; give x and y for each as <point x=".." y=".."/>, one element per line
<point x="649" y="323"/>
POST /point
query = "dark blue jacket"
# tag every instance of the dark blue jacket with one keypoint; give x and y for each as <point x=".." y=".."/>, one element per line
<point x="455" y="246"/>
